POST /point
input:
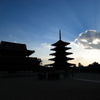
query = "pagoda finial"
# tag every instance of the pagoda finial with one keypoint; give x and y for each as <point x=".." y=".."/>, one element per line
<point x="59" y="34"/>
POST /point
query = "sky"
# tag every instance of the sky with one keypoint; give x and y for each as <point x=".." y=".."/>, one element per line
<point x="36" y="23"/>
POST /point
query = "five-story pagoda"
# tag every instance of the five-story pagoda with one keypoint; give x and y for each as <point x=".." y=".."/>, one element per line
<point x="61" y="59"/>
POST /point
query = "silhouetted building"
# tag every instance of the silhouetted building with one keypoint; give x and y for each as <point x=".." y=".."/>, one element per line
<point x="61" y="59"/>
<point x="15" y="57"/>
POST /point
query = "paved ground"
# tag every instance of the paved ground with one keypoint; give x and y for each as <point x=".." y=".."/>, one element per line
<point x="88" y="76"/>
<point x="87" y="80"/>
<point x="30" y="88"/>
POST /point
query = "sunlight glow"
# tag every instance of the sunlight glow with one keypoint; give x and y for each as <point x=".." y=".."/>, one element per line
<point x="96" y="41"/>
<point x="84" y="56"/>
<point x="83" y="40"/>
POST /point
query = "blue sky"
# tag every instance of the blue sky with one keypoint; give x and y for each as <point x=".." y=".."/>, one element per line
<point x="37" y="23"/>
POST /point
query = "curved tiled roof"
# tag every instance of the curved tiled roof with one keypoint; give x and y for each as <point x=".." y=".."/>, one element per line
<point x="60" y="42"/>
<point x="15" y="47"/>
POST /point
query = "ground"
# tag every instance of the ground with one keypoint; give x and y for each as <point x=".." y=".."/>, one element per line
<point x="30" y="88"/>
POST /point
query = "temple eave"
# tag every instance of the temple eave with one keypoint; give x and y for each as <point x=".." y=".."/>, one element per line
<point x="66" y="48"/>
<point x="17" y="52"/>
<point x="29" y="52"/>
<point x="54" y="59"/>
<point x="54" y="54"/>
<point x="60" y="42"/>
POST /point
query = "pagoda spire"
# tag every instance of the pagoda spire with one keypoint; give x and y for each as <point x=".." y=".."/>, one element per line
<point x="59" y="34"/>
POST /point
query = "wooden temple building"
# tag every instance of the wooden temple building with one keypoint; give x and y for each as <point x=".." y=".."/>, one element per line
<point x="61" y="56"/>
<point x="15" y="57"/>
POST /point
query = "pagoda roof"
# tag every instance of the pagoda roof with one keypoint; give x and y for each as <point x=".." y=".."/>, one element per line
<point x="14" y="48"/>
<point x="64" y="53"/>
<point x="60" y="43"/>
<point x="56" y="48"/>
<point x="61" y="64"/>
<point x="59" y="59"/>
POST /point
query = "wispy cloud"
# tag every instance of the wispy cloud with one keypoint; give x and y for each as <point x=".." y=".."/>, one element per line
<point x="10" y="35"/>
<point x="15" y="41"/>
<point x="46" y="45"/>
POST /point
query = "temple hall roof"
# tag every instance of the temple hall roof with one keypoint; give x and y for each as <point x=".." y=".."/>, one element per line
<point x="15" y="47"/>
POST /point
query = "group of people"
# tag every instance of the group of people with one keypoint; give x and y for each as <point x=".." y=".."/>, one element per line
<point x="53" y="75"/>
<point x="49" y="75"/>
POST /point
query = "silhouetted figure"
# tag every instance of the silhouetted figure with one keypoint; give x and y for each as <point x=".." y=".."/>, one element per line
<point x="52" y="75"/>
<point x="41" y="76"/>
<point x="57" y="76"/>
<point x="72" y="74"/>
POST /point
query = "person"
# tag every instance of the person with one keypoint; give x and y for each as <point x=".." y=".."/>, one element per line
<point x="72" y="74"/>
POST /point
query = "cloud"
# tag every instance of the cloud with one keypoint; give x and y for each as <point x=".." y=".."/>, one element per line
<point x="74" y="44"/>
<point x="46" y="45"/>
<point x="86" y="48"/>
<point x="15" y="41"/>
<point x="90" y="39"/>
<point x="84" y="56"/>
<point x="10" y="35"/>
